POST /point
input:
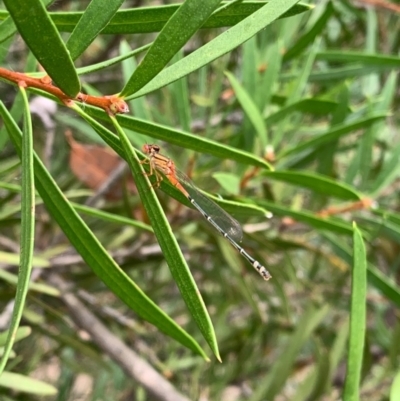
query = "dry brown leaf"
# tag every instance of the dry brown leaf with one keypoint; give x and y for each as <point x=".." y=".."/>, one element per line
<point x="92" y="165"/>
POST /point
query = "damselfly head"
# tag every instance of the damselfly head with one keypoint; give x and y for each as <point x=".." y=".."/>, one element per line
<point x="150" y="149"/>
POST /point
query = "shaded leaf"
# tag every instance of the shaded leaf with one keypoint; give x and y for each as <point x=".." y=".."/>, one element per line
<point x="27" y="236"/>
<point x="187" y="19"/>
<point x="43" y="39"/>
<point x="357" y="319"/>
<point x="221" y="45"/>
<point x="95" y="18"/>
<point x="172" y="253"/>
<point x="18" y="382"/>
<point x="153" y="19"/>
<point x="315" y="182"/>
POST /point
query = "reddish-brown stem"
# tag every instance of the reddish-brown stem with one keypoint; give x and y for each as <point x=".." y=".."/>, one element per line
<point x="248" y="176"/>
<point x="111" y="104"/>
<point x="382" y="4"/>
<point x="362" y="204"/>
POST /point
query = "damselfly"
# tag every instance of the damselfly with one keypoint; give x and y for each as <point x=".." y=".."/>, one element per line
<point x="215" y="215"/>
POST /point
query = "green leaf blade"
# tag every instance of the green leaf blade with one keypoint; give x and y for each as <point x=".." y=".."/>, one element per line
<point x="333" y="133"/>
<point x="43" y="39"/>
<point x="153" y="19"/>
<point x="95" y="18"/>
<point x="316" y="182"/>
<point x="27" y="229"/>
<point x="18" y="382"/>
<point x="250" y="108"/>
<point x="357" y="319"/>
<point x="181" y="138"/>
<point x="221" y="45"/>
<point x="190" y="16"/>
<point x="173" y="255"/>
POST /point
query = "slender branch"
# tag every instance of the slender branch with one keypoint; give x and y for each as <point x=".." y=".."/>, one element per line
<point x="112" y="104"/>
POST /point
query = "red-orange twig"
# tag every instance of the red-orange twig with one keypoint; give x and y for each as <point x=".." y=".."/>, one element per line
<point x="365" y="203"/>
<point x="248" y="176"/>
<point x="382" y="4"/>
<point x="111" y="104"/>
<point x="362" y="204"/>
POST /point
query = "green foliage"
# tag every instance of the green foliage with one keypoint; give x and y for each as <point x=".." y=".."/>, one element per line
<point x="289" y="108"/>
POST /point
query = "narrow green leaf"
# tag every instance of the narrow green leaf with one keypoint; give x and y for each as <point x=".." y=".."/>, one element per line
<point x="25" y="384"/>
<point x="284" y="363"/>
<point x="32" y="286"/>
<point x="395" y="388"/>
<point x="14" y="259"/>
<point x="114" y="218"/>
<point x="4" y="50"/>
<point x="7" y="27"/>
<point x="384" y="284"/>
<point x="322" y="372"/>
<point x="366" y="148"/>
<point x="221" y="45"/>
<point x="337" y="351"/>
<point x="112" y="61"/>
<point x="377" y="279"/>
<point x="315" y="182"/>
<point x="7" y="166"/>
<point x="385" y="227"/>
<point x="249" y="84"/>
<point x="332" y="134"/>
<point x="108" y="137"/>
<point x="249" y="73"/>
<point x="27" y="228"/>
<point x="95" y="18"/>
<point x="303" y="78"/>
<point x="370" y="83"/>
<point x="307" y="384"/>
<point x="326" y="155"/>
<point x="337" y="226"/>
<point x="16" y="112"/>
<point x="43" y="39"/>
<point x="139" y="107"/>
<point x="393" y="217"/>
<point x="189" y="17"/>
<point x="370" y="60"/>
<point x="181" y="98"/>
<point x="88" y="246"/>
<point x="269" y="80"/>
<point x="357" y="319"/>
<point x="389" y="172"/>
<point x="364" y="158"/>
<point x="339" y="73"/>
<point x="317" y="107"/>
<point x="250" y="109"/>
<point x="244" y="208"/>
<point x="305" y="40"/>
<point x="153" y="19"/>
<point x="173" y="255"/>
<point x="229" y="182"/>
<point x="297" y="90"/>
<point x="22" y="332"/>
<point x="181" y="138"/>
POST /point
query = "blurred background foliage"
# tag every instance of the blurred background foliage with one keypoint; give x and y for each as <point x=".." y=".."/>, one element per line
<point x="315" y="95"/>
